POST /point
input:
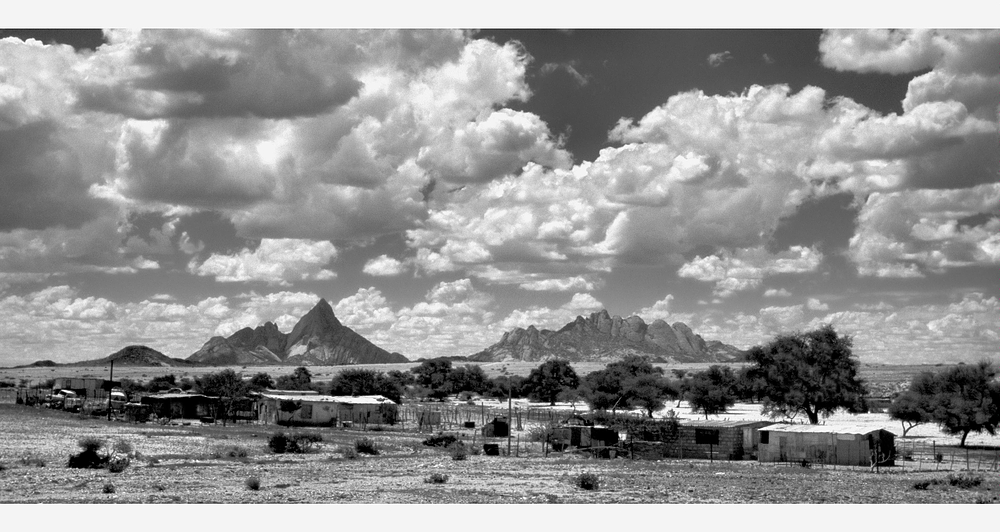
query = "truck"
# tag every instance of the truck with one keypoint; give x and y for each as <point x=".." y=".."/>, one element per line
<point x="66" y="400"/>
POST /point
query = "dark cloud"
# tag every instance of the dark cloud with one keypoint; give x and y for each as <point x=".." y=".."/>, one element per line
<point x="42" y="180"/>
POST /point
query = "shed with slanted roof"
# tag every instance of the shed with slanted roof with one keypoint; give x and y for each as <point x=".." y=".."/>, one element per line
<point x="826" y="444"/>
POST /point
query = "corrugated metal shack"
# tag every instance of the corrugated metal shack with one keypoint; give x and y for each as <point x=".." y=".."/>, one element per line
<point x="708" y="439"/>
<point x="88" y="387"/>
<point x="579" y="432"/>
<point x="288" y="407"/>
<point x="498" y="428"/>
<point x="826" y="444"/>
<point x="179" y="404"/>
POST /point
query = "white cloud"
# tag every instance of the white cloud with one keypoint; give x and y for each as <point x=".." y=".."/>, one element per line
<point x="384" y="266"/>
<point x="559" y="285"/>
<point x="715" y="60"/>
<point x="659" y="310"/>
<point x="816" y="304"/>
<point x="365" y="310"/>
<point x="777" y="292"/>
<point x="746" y="268"/>
<point x="276" y="261"/>
<point x="899" y="233"/>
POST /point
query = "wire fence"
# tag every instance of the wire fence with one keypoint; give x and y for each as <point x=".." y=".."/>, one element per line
<point x="931" y="456"/>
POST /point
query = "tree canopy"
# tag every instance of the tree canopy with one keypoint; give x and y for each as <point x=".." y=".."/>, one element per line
<point x="432" y="375"/>
<point x="711" y="391"/>
<point x="300" y="379"/>
<point x="632" y="382"/>
<point x="550" y="379"/>
<point x="360" y="381"/>
<point x="962" y="400"/>
<point x="814" y="373"/>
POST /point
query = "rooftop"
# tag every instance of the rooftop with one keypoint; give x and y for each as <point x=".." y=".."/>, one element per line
<point x="823" y="429"/>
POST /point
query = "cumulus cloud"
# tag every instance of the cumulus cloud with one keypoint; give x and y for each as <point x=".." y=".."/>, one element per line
<point x="777" y="292"/>
<point x="903" y="234"/>
<point x="384" y="266"/>
<point x="365" y="310"/>
<point x="276" y="261"/>
<point x="816" y="304"/>
<point x="569" y="68"/>
<point x="746" y="268"/>
<point x="659" y="310"/>
<point x="581" y="304"/>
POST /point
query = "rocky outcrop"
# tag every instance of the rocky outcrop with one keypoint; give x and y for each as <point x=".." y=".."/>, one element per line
<point x="317" y="339"/>
<point x="603" y="338"/>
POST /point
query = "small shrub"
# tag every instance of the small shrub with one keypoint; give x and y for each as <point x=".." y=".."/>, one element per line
<point x="541" y="433"/>
<point x="349" y="453"/>
<point x="278" y="442"/>
<point x="921" y="484"/>
<point x="3" y="466"/>
<point x="441" y="440"/>
<point x="90" y="444"/>
<point x="304" y="442"/>
<point x="436" y="478"/>
<point x="252" y="483"/>
<point x="281" y="443"/>
<point x="587" y="481"/>
<point x="108" y="488"/>
<point x="230" y="451"/>
<point x="965" y="480"/>
<point x="32" y="461"/>
<point x="123" y="447"/>
<point x="983" y="499"/>
<point x="366" y="446"/>
<point x="118" y="463"/>
<point x="458" y="451"/>
<point x="939" y="457"/>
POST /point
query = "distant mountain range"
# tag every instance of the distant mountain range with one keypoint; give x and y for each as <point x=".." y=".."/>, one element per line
<point x="602" y="338"/>
<point x="318" y="339"/>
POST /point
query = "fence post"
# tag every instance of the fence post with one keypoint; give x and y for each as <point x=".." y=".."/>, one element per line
<point x="967" y="459"/>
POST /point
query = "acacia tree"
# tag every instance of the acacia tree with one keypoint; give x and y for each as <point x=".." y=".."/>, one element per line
<point x="967" y="399"/>
<point x="814" y="373"/>
<point x="711" y="391"/>
<point x="433" y="375"/>
<point x="300" y="379"/>
<point x="631" y="382"/>
<point x="227" y="385"/>
<point x="914" y="406"/>
<point x="360" y="381"/>
<point x="550" y="379"/>
<point x="468" y="378"/>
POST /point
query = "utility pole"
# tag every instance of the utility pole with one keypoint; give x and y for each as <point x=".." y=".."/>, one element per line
<point x="111" y="378"/>
<point x="509" y="424"/>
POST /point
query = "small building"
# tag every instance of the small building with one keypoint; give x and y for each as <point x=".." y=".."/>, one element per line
<point x="88" y="387"/>
<point x="286" y="407"/>
<point x="176" y="404"/>
<point x="826" y="444"/>
<point x="498" y="428"/>
<point x="577" y="431"/>
<point x="707" y="439"/>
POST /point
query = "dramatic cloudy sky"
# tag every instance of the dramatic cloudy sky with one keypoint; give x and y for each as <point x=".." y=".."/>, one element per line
<point x="441" y="187"/>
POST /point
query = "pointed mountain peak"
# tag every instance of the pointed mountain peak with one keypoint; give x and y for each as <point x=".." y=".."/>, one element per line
<point x="322" y="312"/>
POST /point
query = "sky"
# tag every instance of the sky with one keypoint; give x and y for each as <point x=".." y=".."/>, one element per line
<point x="441" y="186"/>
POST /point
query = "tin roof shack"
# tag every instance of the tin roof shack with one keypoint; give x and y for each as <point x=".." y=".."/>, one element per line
<point x="826" y="444"/>
<point x="577" y="431"/>
<point x="178" y="404"/>
<point x="283" y="407"/>
<point x="88" y="387"/>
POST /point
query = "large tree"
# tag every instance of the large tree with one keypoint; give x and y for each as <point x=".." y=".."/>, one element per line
<point x="550" y="379"/>
<point x="915" y="405"/>
<point x="813" y="373"/>
<point x="433" y="376"/>
<point x="360" y="381"/>
<point x="227" y="385"/>
<point x="630" y="382"/>
<point x="711" y="391"/>
<point x="468" y="378"/>
<point x="967" y="399"/>
<point x="300" y="379"/>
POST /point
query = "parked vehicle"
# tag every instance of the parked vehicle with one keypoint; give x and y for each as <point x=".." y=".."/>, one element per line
<point x="118" y="400"/>
<point x="71" y="401"/>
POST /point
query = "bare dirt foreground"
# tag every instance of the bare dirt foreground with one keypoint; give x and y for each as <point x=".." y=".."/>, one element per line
<point x="188" y="464"/>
